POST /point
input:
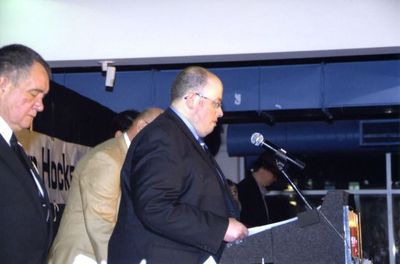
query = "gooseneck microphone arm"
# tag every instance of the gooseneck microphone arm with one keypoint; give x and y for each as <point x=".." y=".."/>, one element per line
<point x="258" y="140"/>
<point x="297" y="190"/>
<point x="309" y="217"/>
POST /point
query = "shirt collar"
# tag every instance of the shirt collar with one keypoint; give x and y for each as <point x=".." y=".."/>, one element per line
<point x="5" y="130"/>
<point x="187" y="123"/>
<point x="127" y="140"/>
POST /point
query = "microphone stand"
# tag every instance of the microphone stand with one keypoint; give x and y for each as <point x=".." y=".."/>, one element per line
<point x="281" y="159"/>
<point x="311" y="215"/>
<point x="281" y="167"/>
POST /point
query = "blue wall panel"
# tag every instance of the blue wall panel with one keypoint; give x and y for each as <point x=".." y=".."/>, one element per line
<point x="290" y="87"/>
<point x="303" y="137"/>
<point x="91" y="85"/>
<point x="362" y="83"/>
<point x="131" y="90"/>
<point x="163" y="82"/>
<point x="286" y="87"/>
<point x="241" y="88"/>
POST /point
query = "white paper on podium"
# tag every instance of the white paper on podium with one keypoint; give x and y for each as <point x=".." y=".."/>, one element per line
<point x="210" y="260"/>
<point x="258" y="229"/>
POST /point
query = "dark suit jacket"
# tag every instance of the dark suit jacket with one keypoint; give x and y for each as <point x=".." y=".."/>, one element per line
<point x="25" y="236"/>
<point x="254" y="212"/>
<point x="172" y="207"/>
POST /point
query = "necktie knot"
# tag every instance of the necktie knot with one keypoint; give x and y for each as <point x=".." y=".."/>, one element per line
<point x="13" y="141"/>
<point x="202" y="143"/>
<point x="20" y="152"/>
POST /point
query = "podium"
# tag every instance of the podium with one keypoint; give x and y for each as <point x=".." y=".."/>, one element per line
<point x="335" y="238"/>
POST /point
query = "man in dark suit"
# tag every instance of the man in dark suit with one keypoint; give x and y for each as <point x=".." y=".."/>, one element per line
<point x="176" y="206"/>
<point x="25" y="218"/>
<point x="257" y="208"/>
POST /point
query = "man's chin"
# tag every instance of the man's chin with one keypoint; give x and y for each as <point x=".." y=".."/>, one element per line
<point x="26" y="125"/>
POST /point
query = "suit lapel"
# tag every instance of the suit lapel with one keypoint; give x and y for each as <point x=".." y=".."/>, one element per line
<point x="185" y="130"/>
<point x="18" y="170"/>
<point x="209" y="160"/>
<point x="122" y="144"/>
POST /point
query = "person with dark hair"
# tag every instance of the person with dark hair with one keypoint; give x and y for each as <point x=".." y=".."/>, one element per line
<point x="123" y="121"/>
<point x="257" y="208"/>
<point x="25" y="219"/>
<point x="93" y="199"/>
<point x="176" y="206"/>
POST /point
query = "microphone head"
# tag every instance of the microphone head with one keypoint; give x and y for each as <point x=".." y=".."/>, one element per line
<point x="257" y="139"/>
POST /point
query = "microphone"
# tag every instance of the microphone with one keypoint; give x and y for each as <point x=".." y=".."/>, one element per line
<point x="258" y="140"/>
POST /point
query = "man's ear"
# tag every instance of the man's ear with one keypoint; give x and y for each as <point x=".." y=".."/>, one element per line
<point x="192" y="100"/>
<point x="3" y="84"/>
<point x="140" y="124"/>
<point x="118" y="133"/>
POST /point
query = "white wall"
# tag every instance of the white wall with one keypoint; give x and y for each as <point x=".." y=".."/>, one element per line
<point x="82" y="32"/>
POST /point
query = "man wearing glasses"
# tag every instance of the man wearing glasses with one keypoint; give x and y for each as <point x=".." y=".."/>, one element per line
<point x="176" y="206"/>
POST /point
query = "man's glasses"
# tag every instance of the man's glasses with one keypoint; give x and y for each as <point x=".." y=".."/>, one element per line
<point x="215" y="104"/>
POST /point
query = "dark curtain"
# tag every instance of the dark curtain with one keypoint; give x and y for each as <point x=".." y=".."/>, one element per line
<point x="74" y="118"/>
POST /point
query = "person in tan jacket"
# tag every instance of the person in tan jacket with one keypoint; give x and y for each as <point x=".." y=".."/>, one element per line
<point x="93" y="199"/>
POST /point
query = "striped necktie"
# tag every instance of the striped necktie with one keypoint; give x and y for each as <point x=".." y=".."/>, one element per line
<point x="26" y="161"/>
<point x="20" y="152"/>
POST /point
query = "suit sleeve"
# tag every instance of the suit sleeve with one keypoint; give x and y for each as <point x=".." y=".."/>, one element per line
<point x="249" y="208"/>
<point x="100" y="191"/>
<point x="167" y="193"/>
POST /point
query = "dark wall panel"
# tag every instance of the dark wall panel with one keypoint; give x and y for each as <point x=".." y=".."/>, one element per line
<point x="74" y="118"/>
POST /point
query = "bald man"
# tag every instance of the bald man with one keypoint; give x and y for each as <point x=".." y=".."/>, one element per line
<point x="176" y="206"/>
<point x="93" y="199"/>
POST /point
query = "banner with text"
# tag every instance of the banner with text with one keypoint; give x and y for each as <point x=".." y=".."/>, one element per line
<point x="55" y="160"/>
